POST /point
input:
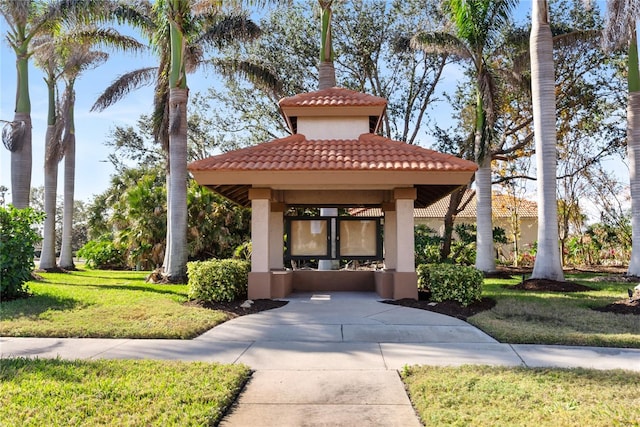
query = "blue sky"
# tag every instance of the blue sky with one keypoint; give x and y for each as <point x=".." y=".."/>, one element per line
<point x="92" y="129"/>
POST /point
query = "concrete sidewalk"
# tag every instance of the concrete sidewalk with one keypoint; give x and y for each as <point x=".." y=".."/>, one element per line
<point x="330" y="359"/>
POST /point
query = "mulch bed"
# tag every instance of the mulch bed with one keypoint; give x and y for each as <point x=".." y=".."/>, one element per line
<point x="450" y="308"/>
<point x="233" y="308"/>
<point x="546" y="285"/>
<point x="623" y="306"/>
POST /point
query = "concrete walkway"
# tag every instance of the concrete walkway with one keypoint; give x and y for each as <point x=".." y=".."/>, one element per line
<point x="330" y="359"/>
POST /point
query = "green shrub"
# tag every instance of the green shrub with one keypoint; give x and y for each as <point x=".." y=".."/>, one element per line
<point x="451" y="282"/>
<point x="17" y="240"/>
<point x="218" y="279"/>
<point x="102" y="254"/>
<point x="243" y="251"/>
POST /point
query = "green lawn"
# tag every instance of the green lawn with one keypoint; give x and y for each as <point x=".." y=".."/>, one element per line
<point x="558" y="318"/>
<point x="496" y="396"/>
<point x="116" y="392"/>
<point x="106" y="304"/>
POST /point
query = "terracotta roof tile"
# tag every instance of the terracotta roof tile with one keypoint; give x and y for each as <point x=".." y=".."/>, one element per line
<point x="368" y="152"/>
<point x="335" y="96"/>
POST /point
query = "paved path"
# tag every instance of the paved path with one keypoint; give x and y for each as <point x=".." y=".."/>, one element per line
<point x="331" y="359"/>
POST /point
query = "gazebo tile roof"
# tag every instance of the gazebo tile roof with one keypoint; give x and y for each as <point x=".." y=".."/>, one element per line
<point x="335" y="96"/>
<point x="368" y="152"/>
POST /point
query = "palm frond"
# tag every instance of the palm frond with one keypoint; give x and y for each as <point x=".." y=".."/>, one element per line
<point x="13" y="134"/>
<point x="78" y="62"/>
<point x="106" y="37"/>
<point x="228" y="29"/>
<point x="160" y="117"/>
<point x="439" y="43"/>
<point x="254" y="72"/>
<point x="123" y="85"/>
<point x="571" y="38"/>
<point x="193" y="56"/>
<point x="16" y="13"/>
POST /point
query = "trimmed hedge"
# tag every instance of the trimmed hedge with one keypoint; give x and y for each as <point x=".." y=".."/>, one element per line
<point x="218" y="280"/>
<point x="451" y="282"/>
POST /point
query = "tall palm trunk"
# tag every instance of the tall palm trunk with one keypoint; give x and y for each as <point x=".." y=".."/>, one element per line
<point x="547" y="264"/>
<point x="326" y="80"/>
<point x="176" y="268"/>
<point x="66" y="253"/>
<point x="485" y="253"/>
<point x="633" y="151"/>
<point x="178" y="185"/>
<point x="326" y="70"/>
<point x="48" y="255"/>
<point x="21" y="157"/>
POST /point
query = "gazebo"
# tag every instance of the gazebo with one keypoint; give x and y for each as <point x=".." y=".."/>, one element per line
<point x="333" y="158"/>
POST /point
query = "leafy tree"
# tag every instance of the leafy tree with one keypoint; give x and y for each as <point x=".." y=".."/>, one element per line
<point x="365" y="38"/>
<point x="17" y="240"/>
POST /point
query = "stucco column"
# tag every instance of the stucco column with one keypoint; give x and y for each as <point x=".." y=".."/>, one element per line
<point x="276" y="236"/>
<point x="390" y="236"/>
<point x="259" y="277"/>
<point x="404" y="233"/>
<point x="405" y="283"/>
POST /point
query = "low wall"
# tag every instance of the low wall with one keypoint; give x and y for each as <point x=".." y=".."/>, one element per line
<point x="389" y="284"/>
<point x="339" y="280"/>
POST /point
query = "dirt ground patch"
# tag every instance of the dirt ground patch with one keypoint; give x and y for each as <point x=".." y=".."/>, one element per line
<point x="623" y="306"/>
<point x="234" y="309"/>
<point x="546" y="285"/>
<point x="450" y="308"/>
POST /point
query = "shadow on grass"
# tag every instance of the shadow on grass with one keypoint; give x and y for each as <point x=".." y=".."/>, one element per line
<point x="35" y="305"/>
<point x="123" y="288"/>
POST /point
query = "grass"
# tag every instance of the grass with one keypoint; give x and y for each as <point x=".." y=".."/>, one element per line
<point x="527" y="317"/>
<point x="497" y="396"/>
<point x="104" y="304"/>
<point x="56" y="392"/>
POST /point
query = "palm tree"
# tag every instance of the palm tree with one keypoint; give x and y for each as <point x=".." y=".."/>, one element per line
<point x="548" y="263"/>
<point x="77" y="56"/>
<point x="327" y="79"/>
<point x="326" y="70"/>
<point x="620" y="31"/>
<point x="178" y="30"/>
<point x="55" y="54"/>
<point x="27" y="19"/>
<point x="477" y="25"/>
<point x="47" y="60"/>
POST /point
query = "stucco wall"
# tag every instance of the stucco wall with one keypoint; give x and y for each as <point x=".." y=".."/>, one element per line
<point x="528" y="232"/>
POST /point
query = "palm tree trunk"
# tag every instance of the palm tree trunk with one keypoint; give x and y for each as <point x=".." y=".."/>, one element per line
<point x="547" y="264"/>
<point x="21" y="161"/>
<point x="485" y="253"/>
<point x="66" y="253"/>
<point x="326" y="80"/>
<point x="48" y="255"/>
<point x="633" y="151"/>
<point x="177" y="202"/>
<point x="326" y="70"/>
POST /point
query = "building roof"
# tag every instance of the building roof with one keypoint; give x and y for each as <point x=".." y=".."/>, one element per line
<point x="368" y="152"/>
<point x="335" y="96"/>
<point x="366" y="164"/>
<point x="503" y="206"/>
